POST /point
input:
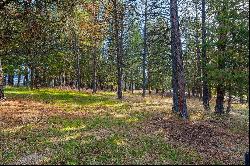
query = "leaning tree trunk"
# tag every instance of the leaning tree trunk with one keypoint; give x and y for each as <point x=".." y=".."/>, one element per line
<point x="205" y="95"/>
<point x="1" y="81"/>
<point x="178" y="71"/>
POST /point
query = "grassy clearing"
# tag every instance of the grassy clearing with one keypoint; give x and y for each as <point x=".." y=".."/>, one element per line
<point x="70" y="127"/>
<point x="63" y="98"/>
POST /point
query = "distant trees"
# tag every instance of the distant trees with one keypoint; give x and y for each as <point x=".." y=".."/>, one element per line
<point x="228" y="54"/>
<point x="159" y="57"/>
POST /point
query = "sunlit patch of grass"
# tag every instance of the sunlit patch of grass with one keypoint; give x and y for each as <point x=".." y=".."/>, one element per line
<point x="120" y="142"/>
<point x="118" y="150"/>
<point x="64" y="138"/>
<point x="132" y="119"/>
<point x="12" y="129"/>
<point x="238" y="106"/>
<point x="73" y="128"/>
<point x="64" y="98"/>
<point x="118" y="115"/>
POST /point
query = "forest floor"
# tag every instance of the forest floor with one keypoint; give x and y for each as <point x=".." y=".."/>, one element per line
<point x="51" y="126"/>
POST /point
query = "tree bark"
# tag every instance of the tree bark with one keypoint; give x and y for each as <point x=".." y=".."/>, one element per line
<point x="36" y="78"/>
<point x="132" y="87"/>
<point x="229" y="103"/>
<point x="179" y="98"/>
<point x="149" y="82"/>
<point x="119" y="45"/>
<point x="4" y="80"/>
<point x="1" y="80"/>
<point x="18" y="78"/>
<point x="205" y="95"/>
<point x="125" y="84"/>
<point x="219" y="108"/>
<point x="162" y="92"/>
<point x="94" y="72"/>
<point x="94" y="76"/>
<point x="189" y="95"/>
<point x="31" y="77"/>
<point x="10" y="79"/>
<point x="198" y="52"/>
<point x="193" y="91"/>
<point x="145" y="49"/>
<point x="78" y="72"/>
<point x="77" y="55"/>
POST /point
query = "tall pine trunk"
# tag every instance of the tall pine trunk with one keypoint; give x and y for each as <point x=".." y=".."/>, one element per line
<point x="118" y="22"/>
<point x="205" y="95"/>
<point x="145" y="49"/>
<point x="219" y="108"/>
<point x="77" y="56"/>
<point x="178" y="71"/>
<point x="198" y="55"/>
<point x="94" y="76"/>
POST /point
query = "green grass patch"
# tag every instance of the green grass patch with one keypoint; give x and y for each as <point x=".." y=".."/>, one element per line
<point x="63" y="98"/>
